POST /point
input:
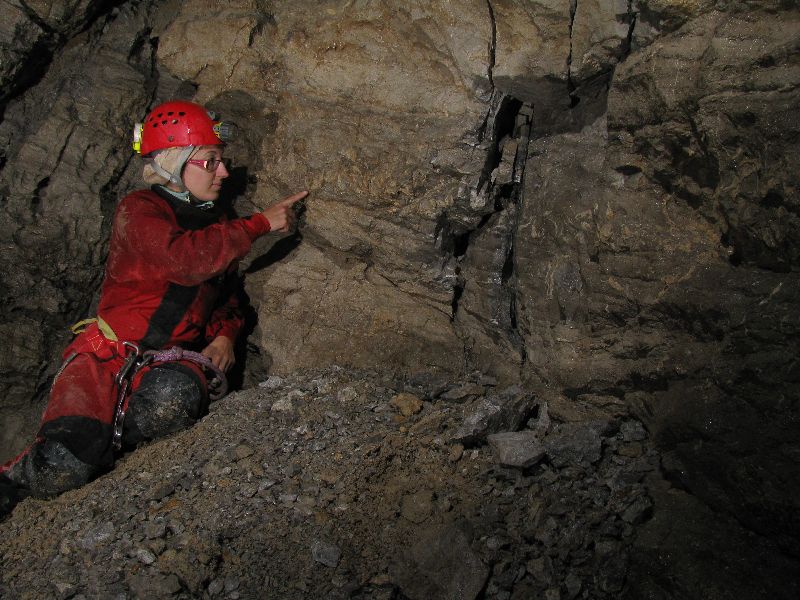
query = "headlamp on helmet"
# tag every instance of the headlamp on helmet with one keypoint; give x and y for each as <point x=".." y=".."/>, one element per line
<point x="180" y="123"/>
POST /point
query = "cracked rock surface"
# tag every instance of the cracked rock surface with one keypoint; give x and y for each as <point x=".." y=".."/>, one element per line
<point x="594" y="201"/>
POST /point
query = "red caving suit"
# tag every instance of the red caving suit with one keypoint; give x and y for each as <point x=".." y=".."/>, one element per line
<point x="170" y="281"/>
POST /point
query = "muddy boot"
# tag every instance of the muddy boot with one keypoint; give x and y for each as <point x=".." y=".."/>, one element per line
<point x="49" y="468"/>
<point x="169" y="398"/>
<point x="10" y="495"/>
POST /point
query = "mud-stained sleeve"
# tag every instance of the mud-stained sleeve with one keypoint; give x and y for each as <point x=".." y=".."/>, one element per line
<point x="147" y="229"/>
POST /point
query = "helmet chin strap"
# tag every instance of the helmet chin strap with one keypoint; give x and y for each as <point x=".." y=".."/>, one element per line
<point x="175" y="178"/>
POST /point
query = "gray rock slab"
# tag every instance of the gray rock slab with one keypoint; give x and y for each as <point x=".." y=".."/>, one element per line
<point x="505" y="411"/>
<point x="520" y="449"/>
<point x="575" y="443"/>
<point x="326" y="553"/>
<point x="441" y="565"/>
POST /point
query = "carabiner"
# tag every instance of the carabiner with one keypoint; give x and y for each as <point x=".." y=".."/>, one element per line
<point x="129" y="362"/>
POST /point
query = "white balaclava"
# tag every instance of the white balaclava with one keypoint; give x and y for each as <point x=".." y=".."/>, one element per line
<point x="165" y="166"/>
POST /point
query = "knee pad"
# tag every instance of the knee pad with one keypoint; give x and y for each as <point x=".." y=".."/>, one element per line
<point x="169" y="397"/>
<point x="49" y="468"/>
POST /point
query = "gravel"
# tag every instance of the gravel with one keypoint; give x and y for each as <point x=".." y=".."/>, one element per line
<point x="337" y="484"/>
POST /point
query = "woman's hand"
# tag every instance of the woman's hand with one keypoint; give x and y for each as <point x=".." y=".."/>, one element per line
<point x="281" y="215"/>
<point x="220" y="351"/>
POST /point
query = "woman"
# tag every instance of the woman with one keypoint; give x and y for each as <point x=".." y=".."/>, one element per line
<point x="170" y="282"/>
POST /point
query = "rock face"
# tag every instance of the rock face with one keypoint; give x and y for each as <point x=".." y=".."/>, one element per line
<point x="596" y="201"/>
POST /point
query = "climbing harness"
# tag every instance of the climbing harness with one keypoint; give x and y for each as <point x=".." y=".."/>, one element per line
<point x="99" y="334"/>
<point x="122" y="382"/>
<point x="218" y="386"/>
<point x="137" y="360"/>
<point x="102" y="326"/>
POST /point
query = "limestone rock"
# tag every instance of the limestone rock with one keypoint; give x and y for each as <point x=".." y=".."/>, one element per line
<point x="407" y="404"/>
<point x="441" y="565"/>
<point x="375" y="512"/>
<point x="417" y="507"/>
<point x="504" y="411"/>
<point x="326" y="553"/>
<point x="520" y="449"/>
<point x="575" y="443"/>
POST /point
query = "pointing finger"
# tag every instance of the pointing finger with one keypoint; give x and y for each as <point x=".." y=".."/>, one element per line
<point x="289" y="200"/>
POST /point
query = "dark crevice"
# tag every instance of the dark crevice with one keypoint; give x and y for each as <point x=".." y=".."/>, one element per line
<point x="773" y="199"/>
<point x="265" y="17"/>
<point x="617" y="391"/>
<point x="36" y="19"/>
<point x="138" y="46"/>
<point x="508" y="266"/>
<point x="152" y="80"/>
<point x="64" y="147"/>
<point x="588" y="94"/>
<point x="461" y="242"/>
<point x="36" y="61"/>
<point x="734" y="252"/>
<point x="651" y="382"/>
<point x="573" y="9"/>
<point x="503" y="126"/>
<point x="36" y="65"/>
<point x="36" y="199"/>
<point x="492" y="45"/>
<point x="522" y="131"/>
<point x="458" y="291"/>
<point x="632" y="16"/>
<point x="455" y="226"/>
<point x="505" y="135"/>
<point x="628" y="170"/>
<point x="637" y="382"/>
<point x="507" y="276"/>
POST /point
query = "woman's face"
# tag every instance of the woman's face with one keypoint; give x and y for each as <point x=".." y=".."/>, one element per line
<point x="202" y="183"/>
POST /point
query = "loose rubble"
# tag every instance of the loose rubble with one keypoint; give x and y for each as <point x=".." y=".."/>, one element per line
<point x="339" y="484"/>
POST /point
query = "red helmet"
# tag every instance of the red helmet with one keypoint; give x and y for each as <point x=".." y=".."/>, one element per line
<point x="178" y="123"/>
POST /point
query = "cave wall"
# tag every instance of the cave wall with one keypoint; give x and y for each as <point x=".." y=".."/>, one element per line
<point x="597" y="199"/>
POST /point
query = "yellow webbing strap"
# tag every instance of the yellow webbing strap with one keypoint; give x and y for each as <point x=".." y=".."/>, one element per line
<point x="104" y="328"/>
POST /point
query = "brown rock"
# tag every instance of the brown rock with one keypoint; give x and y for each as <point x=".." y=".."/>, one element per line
<point x="417" y="507"/>
<point x="407" y="404"/>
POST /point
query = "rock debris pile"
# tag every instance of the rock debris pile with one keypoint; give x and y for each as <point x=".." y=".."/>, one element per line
<point x="342" y="484"/>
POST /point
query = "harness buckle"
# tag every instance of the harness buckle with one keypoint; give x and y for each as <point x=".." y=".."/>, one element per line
<point x="122" y="381"/>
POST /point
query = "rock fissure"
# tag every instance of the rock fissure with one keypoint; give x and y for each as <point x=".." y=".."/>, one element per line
<point x="571" y="86"/>
<point x="632" y="16"/>
<point x="514" y="192"/>
<point x="37" y="20"/>
<point x="503" y="141"/>
<point x="492" y="45"/>
<point x="35" y="59"/>
<point x="36" y="199"/>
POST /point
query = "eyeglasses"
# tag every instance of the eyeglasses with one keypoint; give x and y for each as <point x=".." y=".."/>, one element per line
<point x="210" y="164"/>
